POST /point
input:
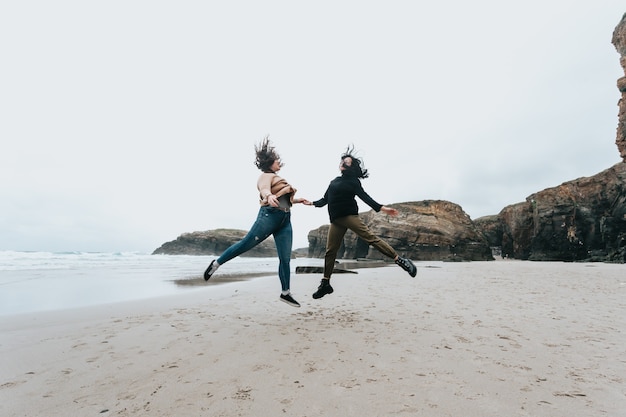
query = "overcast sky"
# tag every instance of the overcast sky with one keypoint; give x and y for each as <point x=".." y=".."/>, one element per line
<point x="127" y="123"/>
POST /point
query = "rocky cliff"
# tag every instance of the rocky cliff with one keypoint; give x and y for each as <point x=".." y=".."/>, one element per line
<point x="213" y="242"/>
<point x="583" y="219"/>
<point x="619" y="41"/>
<point x="424" y="230"/>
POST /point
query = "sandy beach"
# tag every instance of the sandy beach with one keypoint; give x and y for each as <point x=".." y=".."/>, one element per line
<point x="504" y="338"/>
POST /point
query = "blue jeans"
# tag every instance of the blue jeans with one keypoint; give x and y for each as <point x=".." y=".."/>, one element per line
<point x="269" y="221"/>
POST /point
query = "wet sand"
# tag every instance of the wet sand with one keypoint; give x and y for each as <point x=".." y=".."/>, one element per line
<point x="461" y="339"/>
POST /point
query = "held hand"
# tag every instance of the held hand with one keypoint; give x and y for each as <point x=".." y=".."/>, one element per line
<point x="390" y="211"/>
<point x="305" y="202"/>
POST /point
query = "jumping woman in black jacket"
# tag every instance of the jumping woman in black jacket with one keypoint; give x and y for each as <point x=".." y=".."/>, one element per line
<point x="343" y="212"/>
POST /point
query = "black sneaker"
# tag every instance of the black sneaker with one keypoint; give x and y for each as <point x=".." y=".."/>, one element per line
<point x="407" y="265"/>
<point x="289" y="300"/>
<point x="210" y="270"/>
<point x="323" y="289"/>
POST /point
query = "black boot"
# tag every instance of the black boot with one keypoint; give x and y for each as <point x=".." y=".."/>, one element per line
<point x="407" y="265"/>
<point x="323" y="289"/>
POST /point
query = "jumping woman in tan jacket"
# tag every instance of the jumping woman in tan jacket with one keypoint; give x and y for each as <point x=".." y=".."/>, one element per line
<point x="276" y="197"/>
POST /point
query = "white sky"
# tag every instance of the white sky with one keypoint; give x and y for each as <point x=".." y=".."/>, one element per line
<point x="127" y="123"/>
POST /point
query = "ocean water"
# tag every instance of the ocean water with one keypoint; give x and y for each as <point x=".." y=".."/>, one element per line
<point x="44" y="281"/>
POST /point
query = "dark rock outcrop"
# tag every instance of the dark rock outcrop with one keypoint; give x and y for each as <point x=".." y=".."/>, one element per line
<point x="424" y="230"/>
<point x="213" y="242"/>
<point x="491" y="228"/>
<point x="583" y="219"/>
<point x="619" y="41"/>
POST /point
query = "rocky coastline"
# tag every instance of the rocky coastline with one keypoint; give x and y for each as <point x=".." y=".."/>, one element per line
<point x="579" y="220"/>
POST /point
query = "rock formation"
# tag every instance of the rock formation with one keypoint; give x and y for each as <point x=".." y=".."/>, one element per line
<point x="213" y="242"/>
<point x="583" y="219"/>
<point x="619" y="41"/>
<point x="491" y="228"/>
<point x="424" y="230"/>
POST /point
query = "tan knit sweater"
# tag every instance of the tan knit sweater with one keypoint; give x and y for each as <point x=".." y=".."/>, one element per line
<point x="270" y="183"/>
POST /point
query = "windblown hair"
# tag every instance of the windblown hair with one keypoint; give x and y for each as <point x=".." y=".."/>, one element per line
<point x="265" y="155"/>
<point x="356" y="168"/>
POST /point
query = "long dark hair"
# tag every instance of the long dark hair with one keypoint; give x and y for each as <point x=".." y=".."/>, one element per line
<point x="265" y="155"/>
<point x="356" y="169"/>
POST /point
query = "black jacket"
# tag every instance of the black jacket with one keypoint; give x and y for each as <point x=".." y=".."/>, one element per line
<point x="340" y="197"/>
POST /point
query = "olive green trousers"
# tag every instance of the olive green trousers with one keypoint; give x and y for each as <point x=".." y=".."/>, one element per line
<point x="337" y="231"/>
